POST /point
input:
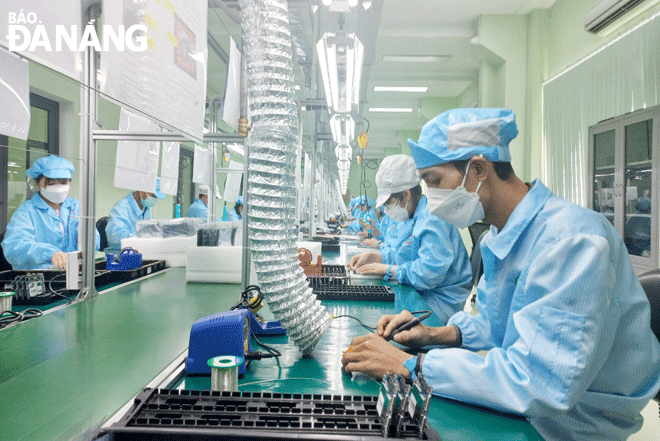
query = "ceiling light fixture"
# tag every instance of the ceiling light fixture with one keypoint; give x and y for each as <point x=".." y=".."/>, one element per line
<point x="340" y="59"/>
<point x="417" y="58"/>
<point x="412" y="89"/>
<point x="342" y="127"/>
<point x="391" y="109"/>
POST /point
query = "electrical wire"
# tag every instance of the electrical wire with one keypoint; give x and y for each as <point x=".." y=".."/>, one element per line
<point x="56" y="292"/>
<point x="9" y="317"/>
<point x="272" y="351"/>
<point x="369" y="328"/>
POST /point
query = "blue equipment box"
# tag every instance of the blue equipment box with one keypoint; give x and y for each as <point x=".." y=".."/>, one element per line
<point x="224" y="333"/>
<point x="128" y="259"/>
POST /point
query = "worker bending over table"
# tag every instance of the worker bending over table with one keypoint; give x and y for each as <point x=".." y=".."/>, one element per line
<point x="565" y="320"/>
<point x="429" y="254"/>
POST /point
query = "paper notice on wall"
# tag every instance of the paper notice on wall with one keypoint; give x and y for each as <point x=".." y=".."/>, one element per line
<point x="169" y="168"/>
<point x="233" y="182"/>
<point x="167" y="81"/>
<point x="48" y="32"/>
<point x="14" y="96"/>
<point x="231" y="102"/>
<point x="201" y="165"/>
<point x="136" y="164"/>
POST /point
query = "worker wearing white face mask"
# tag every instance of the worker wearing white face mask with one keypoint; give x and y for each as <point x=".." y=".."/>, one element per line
<point x="429" y="254"/>
<point x="125" y="214"/>
<point x="45" y="227"/>
<point x="564" y="319"/>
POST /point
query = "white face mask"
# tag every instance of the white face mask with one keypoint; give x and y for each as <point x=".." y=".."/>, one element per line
<point x="457" y="206"/>
<point x="396" y="212"/>
<point x="55" y="193"/>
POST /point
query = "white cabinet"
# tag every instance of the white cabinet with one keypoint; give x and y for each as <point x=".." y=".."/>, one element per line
<point x="623" y="180"/>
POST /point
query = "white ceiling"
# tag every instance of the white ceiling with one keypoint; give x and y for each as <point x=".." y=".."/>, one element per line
<point x="388" y="27"/>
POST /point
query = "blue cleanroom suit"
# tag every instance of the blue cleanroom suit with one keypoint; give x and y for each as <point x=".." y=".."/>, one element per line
<point x="198" y="209"/>
<point x="232" y="215"/>
<point x="36" y="232"/>
<point x="122" y="219"/>
<point x="433" y="260"/>
<point x="566" y="323"/>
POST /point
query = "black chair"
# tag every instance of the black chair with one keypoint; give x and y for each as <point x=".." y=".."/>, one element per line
<point x="651" y="283"/>
<point x="100" y="225"/>
<point x="4" y="265"/>
<point x="475" y="260"/>
<point x="476" y="231"/>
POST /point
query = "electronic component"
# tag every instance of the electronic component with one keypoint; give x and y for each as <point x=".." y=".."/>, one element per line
<point x="27" y="286"/>
<point x="419" y="401"/>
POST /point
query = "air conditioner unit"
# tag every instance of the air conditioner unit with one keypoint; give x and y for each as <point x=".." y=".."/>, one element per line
<point x="608" y="11"/>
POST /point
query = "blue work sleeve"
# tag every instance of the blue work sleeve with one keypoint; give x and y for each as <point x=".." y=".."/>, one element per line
<point x="550" y="364"/>
<point x="434" y="257"/>
<point x="119" y="226"/>
<point x="19" y="246"/>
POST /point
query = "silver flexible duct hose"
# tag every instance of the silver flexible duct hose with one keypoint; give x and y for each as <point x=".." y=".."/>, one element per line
<point x="272" y="144"/>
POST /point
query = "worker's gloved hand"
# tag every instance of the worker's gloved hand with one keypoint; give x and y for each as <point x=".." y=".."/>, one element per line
<point x="363" y="234"/>
<point x="372" y="242"/>
<point x="364" y="258"/>
<point x="374" y="356"/>
<point x="59" y="259"/>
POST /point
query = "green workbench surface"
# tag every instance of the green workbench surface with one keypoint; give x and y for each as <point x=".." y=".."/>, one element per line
<point x="321" y="373"/>
<point x="64" y="374"/>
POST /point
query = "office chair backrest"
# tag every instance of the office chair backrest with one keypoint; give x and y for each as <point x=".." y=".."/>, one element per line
<point x="100" y="225"/>
<point x="4" y="265"/>
<point x="475" y="259"/>
<point x="651" y="283"/>
<point x="476" y="231"/>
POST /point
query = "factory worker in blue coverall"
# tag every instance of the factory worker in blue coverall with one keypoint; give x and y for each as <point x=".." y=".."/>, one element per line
<point x="236" y="213"/>
<point x="564" y="318"/>
<point x="127" y="212"/>
<point x="430" y="255"/>
<point x="199" y="208"/>
<point x="45" y="227"/>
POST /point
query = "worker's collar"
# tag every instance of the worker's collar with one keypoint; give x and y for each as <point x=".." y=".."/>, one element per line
<point x="500" y="243"/>
<point x="134" y="205"/>
<point x="421" y="207"/>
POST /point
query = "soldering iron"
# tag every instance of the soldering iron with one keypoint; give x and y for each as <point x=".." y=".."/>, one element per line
<point x="410" y="324"/>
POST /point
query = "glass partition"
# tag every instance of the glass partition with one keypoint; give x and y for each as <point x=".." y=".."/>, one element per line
<point x="604" y="158"/>
<point x="638" y="182"/>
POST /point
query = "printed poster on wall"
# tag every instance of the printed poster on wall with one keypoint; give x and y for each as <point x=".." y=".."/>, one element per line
<point x="167" y="81"/>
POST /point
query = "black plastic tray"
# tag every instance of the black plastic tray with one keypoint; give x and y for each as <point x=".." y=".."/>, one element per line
<point x="332" y="275"/>
<point x="102" y="278"/>
<point x="170" y="414"/>
<point x="367" y="293"/>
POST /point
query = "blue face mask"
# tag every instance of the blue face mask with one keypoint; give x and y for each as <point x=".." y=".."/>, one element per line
<point x="149" y="201"/>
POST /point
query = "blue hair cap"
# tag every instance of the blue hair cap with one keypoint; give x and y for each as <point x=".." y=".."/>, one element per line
<point x="460" y="134"/>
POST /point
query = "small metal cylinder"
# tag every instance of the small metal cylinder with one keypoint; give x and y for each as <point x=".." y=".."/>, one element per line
<point x="6" y="300"/>
<point x="224" y="372"/>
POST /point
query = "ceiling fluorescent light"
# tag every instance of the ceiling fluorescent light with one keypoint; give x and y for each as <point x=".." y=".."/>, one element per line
<point x="391" y="109"/>
<point x="340" y="59"/>
<point x="412" y="89"/>
<point x="417" y="58"/>
<point x="342" y="127"/>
